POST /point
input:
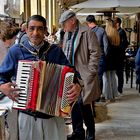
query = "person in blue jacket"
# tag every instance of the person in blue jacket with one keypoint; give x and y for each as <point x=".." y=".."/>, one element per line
<point x="103" y="42"/>
<point x="35" y="125"/>
<point x="137" y="66"/>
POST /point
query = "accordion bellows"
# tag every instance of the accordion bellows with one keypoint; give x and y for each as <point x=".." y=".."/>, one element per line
<point x="43" y="87"/>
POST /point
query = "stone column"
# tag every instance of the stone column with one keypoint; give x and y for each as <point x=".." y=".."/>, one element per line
<point x="44" y="8"/>
<point x="27" y="9"/>
<point x="50" y="15"/>
<point x="54" y="12"/>
<point x="39" y="7"/>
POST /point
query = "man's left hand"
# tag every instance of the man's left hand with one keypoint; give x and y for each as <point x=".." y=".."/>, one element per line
<point x="74" y="92"/>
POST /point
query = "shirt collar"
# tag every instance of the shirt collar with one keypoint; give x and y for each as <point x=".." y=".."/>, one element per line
<point x="38" y="46"/>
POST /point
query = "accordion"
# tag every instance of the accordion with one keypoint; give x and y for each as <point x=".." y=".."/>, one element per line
<point x="43" y="87"/>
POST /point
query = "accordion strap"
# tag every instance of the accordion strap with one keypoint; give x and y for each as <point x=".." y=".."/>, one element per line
<point x="45" y="53"/>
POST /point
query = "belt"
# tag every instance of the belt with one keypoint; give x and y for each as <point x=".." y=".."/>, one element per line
<point x="37" y="114"/>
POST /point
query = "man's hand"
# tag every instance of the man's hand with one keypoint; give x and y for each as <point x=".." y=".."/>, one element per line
<point x="74" y="92"/>
<point x="9" y="90"/>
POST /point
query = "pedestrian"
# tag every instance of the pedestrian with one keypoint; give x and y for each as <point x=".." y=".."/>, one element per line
<point x="112" y="59"/>
<point x="103" y="41"/>
<point x="21" y="36"/>
<point x="123" y="45"/>
<point x="8" y="32"/>
<point x="81" y="47"/>
<point x="137" y="67"/>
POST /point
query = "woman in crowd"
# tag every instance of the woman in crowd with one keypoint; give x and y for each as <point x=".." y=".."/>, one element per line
<point x="109" y="78"/>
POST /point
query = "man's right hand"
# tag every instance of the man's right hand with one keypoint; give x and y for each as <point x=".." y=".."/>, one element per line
<point x="10" y="90"/>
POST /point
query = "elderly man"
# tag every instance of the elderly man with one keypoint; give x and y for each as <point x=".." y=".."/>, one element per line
<point x="81" y="47"/>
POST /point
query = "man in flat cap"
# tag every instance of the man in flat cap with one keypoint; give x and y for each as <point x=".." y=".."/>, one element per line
<point x="81" y="47"/>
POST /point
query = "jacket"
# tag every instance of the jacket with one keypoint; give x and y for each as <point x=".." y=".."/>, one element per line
<point x="86" y="61"/>
<point x="137" y="66"/>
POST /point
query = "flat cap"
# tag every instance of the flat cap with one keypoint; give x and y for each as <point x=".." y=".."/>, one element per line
<point x="66" y="15"/>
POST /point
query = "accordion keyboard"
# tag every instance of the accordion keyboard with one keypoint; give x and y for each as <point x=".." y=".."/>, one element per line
<point x="23" y="81"/>
<point x="65" y="106"/>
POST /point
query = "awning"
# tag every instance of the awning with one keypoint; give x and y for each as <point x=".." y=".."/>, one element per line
<point x="107" y="4"/>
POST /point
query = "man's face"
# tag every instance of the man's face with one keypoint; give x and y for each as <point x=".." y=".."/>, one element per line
<point x="35" y="32"/>
<point x="88" y="24"/>
<point x="68" y="25"/>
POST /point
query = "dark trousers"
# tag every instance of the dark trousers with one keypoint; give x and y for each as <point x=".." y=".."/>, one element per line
<point x="120" y="75"/>
<point x="83" y="113"/>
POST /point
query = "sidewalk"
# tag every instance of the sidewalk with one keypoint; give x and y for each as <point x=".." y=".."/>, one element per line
<point x="124" y="118"/>
<point x="124" y="114"/>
